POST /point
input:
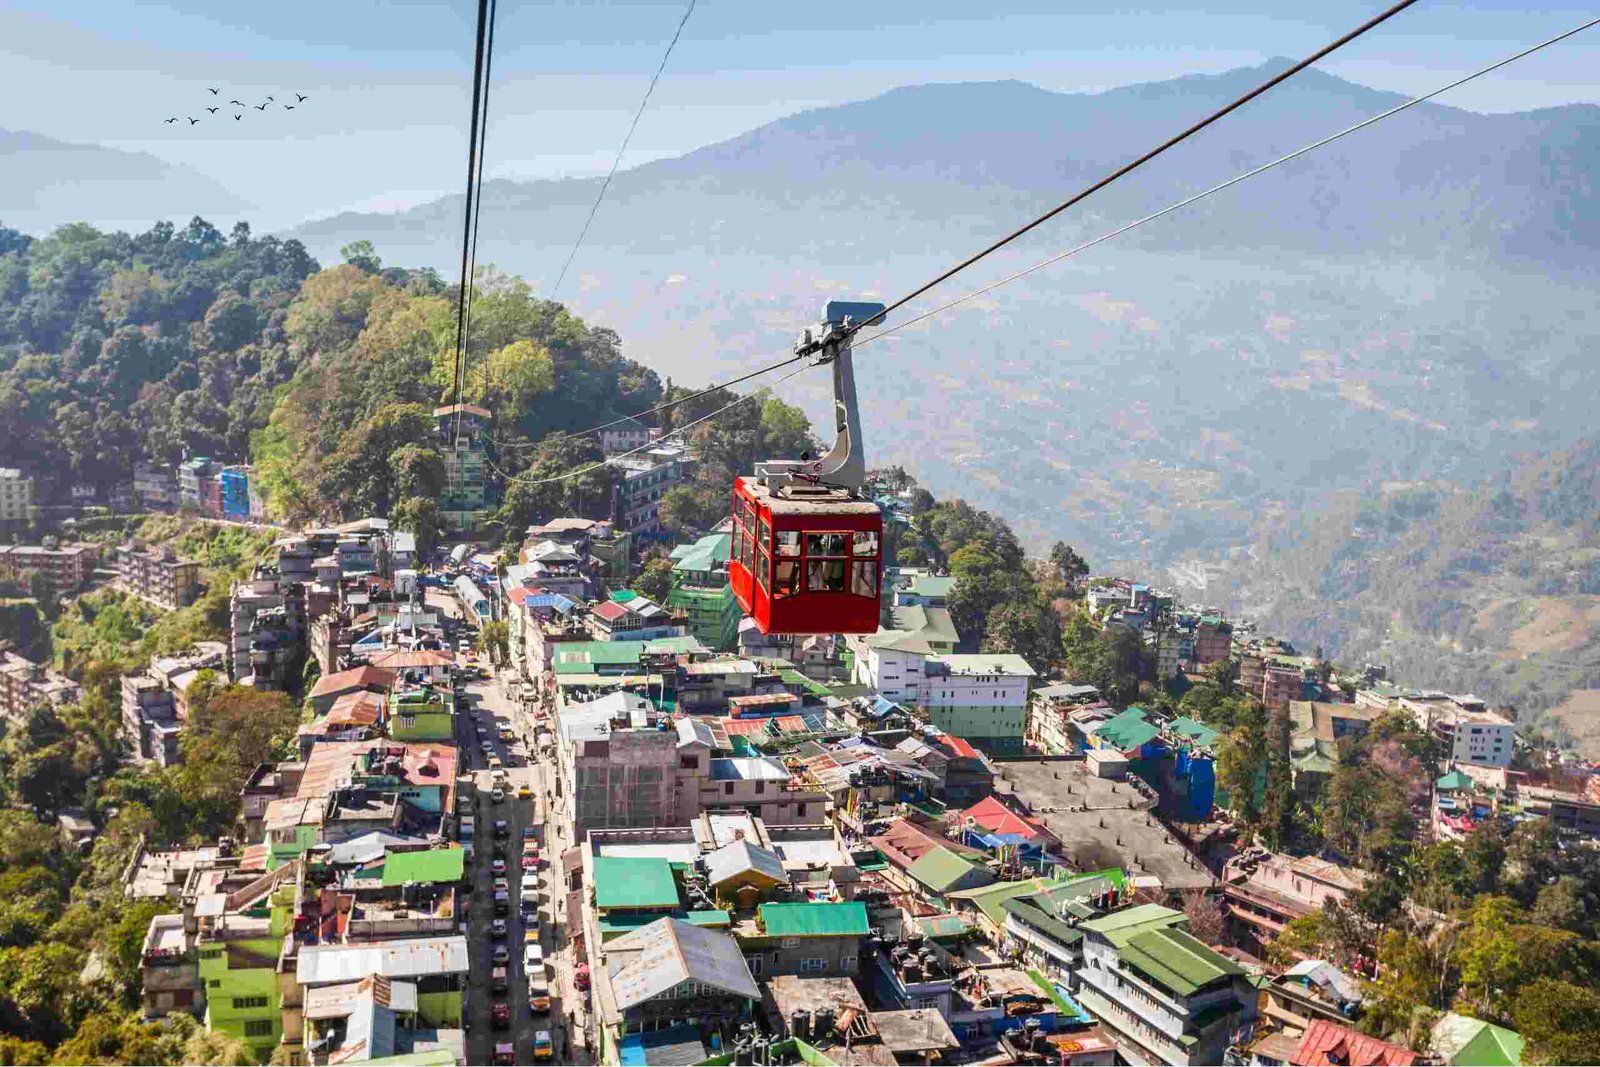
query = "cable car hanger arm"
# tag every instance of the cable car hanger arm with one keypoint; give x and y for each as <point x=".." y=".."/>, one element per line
<point x="844" y="465"/>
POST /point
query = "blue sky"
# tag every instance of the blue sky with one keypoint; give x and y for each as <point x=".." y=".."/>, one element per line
<point x="388" y="81"/>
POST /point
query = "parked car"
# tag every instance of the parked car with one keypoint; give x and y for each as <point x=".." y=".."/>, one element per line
<point x="502" y="828"/>
<point x="497" y="929"/>
<point x="500" y="1015"/>
<point x="533" y="958"/>
<point x="501" y="956"/>
<point x="498" y="865"/>
<point x="542" y="1049"/>
<point x="505" y="1054"/>
<point x="538" y="996"/>
<point x="500" y="979"/>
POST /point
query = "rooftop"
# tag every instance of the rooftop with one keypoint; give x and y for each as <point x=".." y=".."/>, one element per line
<point x="634" y="882"/>
<point x="814" y="920"/>
<point x="656" y="958"/>
<point x="986" y="663"/>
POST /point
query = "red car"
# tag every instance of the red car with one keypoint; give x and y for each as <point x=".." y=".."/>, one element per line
<point x="500" y="1015"/>
<point x="530" y="863"/>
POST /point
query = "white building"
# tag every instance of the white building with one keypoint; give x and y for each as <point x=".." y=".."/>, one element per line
<point x="891" y="661"/>
<point x="982" y="697"/>
<point x="1472" y="733"/>
<point x="16" y="496"/>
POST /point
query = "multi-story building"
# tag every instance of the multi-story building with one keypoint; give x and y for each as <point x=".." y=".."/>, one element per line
<point x="155" y="488"/>
<point x="1159" y="994"/>
<point x="1470" y="732"/>
<point x="1213" y="640"/>
<point x="465" y="491"/>
<point x="983" y="697"/>
<point x="821" y="939"/>
<point x="1281" y="683"/>
<point x="65" y="567"/>
<point x="891" y="662"/>
<point x="1050" y="711"/>
<point x="701" y="590"/>
<point x="155" y="703"/>
<point x="17" y="501"/>
<point x="196" y="480"/>
<point x="234" y="492"/>
<point x="626" y="435"/>
<point x="25" y="685"/>
<point x="158" y="575"/>
<point x="646" y="478"/>
<point x="1265" y="891"/>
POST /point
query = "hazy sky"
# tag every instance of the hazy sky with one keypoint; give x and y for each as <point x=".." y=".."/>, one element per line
<point x="388" y="81"/>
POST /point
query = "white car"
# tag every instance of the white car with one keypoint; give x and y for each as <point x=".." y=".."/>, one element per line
<point x="533" y="958"/>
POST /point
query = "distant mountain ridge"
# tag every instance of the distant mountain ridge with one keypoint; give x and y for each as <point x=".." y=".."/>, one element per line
<point x="994" y="150"/>
<point x="45" y="182"/>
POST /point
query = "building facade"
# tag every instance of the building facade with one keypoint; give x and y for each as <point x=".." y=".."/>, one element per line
<point x="158" y="575"/>
<point x="17" y="501"/>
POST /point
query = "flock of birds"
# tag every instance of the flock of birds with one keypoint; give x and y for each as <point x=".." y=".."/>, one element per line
<point x="299" y="98"/>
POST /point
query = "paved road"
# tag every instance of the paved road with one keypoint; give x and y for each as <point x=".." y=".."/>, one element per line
<point x="485" y="703"/>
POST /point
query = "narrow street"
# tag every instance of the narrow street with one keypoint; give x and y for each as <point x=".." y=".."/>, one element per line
<point x="477" y="738"/>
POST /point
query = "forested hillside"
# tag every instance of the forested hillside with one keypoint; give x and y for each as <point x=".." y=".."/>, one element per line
<point x="1495" y="590"/>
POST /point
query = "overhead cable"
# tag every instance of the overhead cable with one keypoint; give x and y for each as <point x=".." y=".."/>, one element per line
<point x="477" y="197"/>
<point x="1296" y="154"/>
<point x="466" y="222"/>
<point x="618" y="160"/>
<point x="1002" y="242"/>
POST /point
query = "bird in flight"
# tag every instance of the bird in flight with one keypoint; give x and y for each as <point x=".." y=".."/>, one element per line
<point x="241" y="103"/>
<point x="261" y="107"/>
<point x="210" y="90"/>
<point x="236" y="118"/>
<point x="299" y="98"/>
<point x="212" y="110"/>
<point x="172" y="120"/>
<point x="269" y="98"/>
<point x="192" y="121"/>
<point x="288" y="107"/>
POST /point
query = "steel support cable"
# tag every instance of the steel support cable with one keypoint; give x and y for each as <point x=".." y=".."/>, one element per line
<point x="1235" y="180"/>
<point x="1122" y="171"/>
<point x="466" y="222"/>
<point x="477" y="211"/>
<point x="525" y="480"/>
<point x="595" y="207"/>
<point x="1113" y="233"/>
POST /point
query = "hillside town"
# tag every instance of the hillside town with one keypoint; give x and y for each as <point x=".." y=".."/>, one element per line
<point x="533" y="813"/>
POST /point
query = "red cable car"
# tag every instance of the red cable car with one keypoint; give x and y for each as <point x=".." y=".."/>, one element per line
<point x="807" y="547"/>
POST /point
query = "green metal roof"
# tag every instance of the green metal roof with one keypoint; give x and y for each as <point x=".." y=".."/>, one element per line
<point x="1177" y="960"/>
<point x="622" y="596"/>
<point x="1198" y="732"/>
<point x="429" y="865"/>
<point x="1027" y="910"/>
<point x="814" y="920"/>
<point x="1120" y="927"/>
<point x="1453" y="781"/>
<point x="634" y="882"/>
<point x="1127" y="731"/>
<point x="939" y="927"/>
<point x="989" y="899"/>
<point x="674" y="645"/>
<point x="1490" y="1046"/>
<point x="941" y="870"/>
<point x="931" y="585"/>
<point x="581" y="657"/>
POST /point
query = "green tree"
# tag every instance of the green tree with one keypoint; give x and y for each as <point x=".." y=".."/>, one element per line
<point x="419" y="515"/>
<point x="687" y="511"/>
<point x="1560" y="1021"/>
<point x="494" y="640"/>
<point x="1070" y="567"/>
<point x="655" y="579"/>
<point x="1241" y="762"/>
<point x="362" y="255"/>
<point x="1028" y="628"/>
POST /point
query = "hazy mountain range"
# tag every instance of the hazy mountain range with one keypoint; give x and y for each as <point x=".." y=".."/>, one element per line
<point x="45" y="182"/>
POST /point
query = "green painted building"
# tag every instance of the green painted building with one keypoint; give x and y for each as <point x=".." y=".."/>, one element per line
<point x="426" y="714"/>
<point x="700" y="588"/>
<point x="239" y="968"/>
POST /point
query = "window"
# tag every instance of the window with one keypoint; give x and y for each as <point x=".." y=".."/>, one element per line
<point x="815" y="963"/>
<point x="211" y="953"/>
<point x="689" y="763"/>
<point x="761" y="787"/>
<point x="791" y="942"/>
<point x="847" y="963"/>
<point x="249" y="1002"/>
<point x="727" y="789"/>
<point x="930" y="1003"/>
<point x="214" y="983"/>
<point x="825" y="576"/>
<point x="799" y="809"/>
<point x="258" y="1028"/>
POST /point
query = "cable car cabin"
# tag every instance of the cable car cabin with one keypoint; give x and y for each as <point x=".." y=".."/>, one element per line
<point x="805" y="558"/>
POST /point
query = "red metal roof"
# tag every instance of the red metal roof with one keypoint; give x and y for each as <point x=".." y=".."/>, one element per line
<point x="610" y="611"/>
<point x="1327" y="1043"/>
<point x="421" y="657"/>
<point x="958" y="746"/>
<point x="996" y="818"/>
<point x="367" y="677"/>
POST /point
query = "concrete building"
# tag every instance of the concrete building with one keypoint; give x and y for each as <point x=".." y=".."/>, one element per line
<point x="1265" y="891"/>
<point x="700" y="589"/>
<point x="25" y="685"/>
<point x="155" y="702"/>
<point x="1470" y="732"/>
<point x="155" y="488"/>
<point x="924" y="591"/>
<point x="646" y="478"/>
<point x="66" y="567"/>
<point x="234" y="492"/>
<point x="983" y="698"/>
<point x="1161" y="995"/>
<point x="196" y="478"/>
<point x="158" y="575"/>
<point x="17" y="497"/>
<point x="626" y="435"/>
<point x="1050" y="712"/>
<point x="465" y="493"/>
<point x="821" y="939"/>
<point x="1213" y="640"/>
<point x="891" y="662"/>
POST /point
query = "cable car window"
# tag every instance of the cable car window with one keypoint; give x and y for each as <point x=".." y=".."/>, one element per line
<point x="866" y="543"/>
<point x="825" y="544"/>
<point x="788" y="542"/>
<point x="746" y="556"/>
<point x="825" y="575"/>
<point x="786" y="579"/>
<point x="864" y="578"/>
<point x="766" y="535"/>
<point x="763" y="564"/>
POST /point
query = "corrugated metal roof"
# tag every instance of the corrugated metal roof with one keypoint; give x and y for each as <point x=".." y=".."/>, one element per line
<point x="814" y="920"/>
<point x="742" y="858"/>
<point x="671" y="951"/>
<point x="411" y="958"/>
<point x="634" y="882"/>
<point x="941" y="870"/>
<point x="426" y="865"/>
<point x="1177" y="960"/>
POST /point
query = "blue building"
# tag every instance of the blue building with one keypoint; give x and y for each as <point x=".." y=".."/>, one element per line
<point x="236" y="492"/>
